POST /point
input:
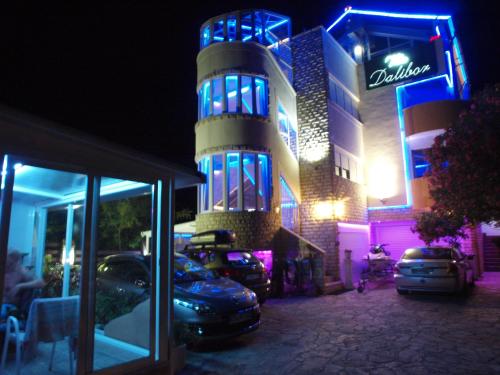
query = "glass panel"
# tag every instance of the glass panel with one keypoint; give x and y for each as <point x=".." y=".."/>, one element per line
<point x="283" y="124"/>
<point x="231" y="28"/>
<point x="289" y="207"/>
<point x="44" y="252"/>
<point x="246" y="27"/>
<point x="420" y="164"/>
<point x="123" y="284"/>
<point x="293" y="140"/>
<point x="219" y="31"/>
<point x="218" y="177"/>
<point x="249" y="182"/>
<point x="233" y="179"/>
<point x="205" y="100"/>
<point x="246" y="94"/>
<point x="264" y="183"/>
<point x="231" y="93"/>
<point x="217" y="82"/>
<point x="203" y="167"/>
<point x="205" y="36"/>
<point x="261" y="96"/>
<point x="258" y="27"/>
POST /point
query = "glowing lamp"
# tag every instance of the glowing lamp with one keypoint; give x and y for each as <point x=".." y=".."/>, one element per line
<point x="323" y="210"/>
<point x="358" y="51"/>
<point x="382" y="179"/>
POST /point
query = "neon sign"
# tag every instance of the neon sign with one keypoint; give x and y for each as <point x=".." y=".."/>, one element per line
<point x="400" y="66"/>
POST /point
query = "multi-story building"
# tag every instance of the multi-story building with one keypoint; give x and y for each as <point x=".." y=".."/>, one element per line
<point x="321" y="136"/>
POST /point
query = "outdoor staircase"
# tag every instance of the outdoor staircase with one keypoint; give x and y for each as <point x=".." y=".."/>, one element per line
<point x="325" y="282"/>
<point x="491" y="253"/>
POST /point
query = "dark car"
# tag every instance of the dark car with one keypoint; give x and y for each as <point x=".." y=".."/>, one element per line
<point x="206" y="306"/>
<point x="213" y="250"/>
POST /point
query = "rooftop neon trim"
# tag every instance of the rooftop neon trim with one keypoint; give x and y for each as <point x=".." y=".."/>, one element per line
<point x="388" y="14"/>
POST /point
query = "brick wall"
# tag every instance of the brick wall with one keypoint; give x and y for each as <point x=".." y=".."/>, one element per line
<point x="354" y="196"/>
<point x="316" y="156"/>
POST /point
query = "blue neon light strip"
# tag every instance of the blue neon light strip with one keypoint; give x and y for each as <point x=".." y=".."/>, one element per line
<point x="268" y="28"/>
<point x="457" y="49"/>
<point x="450" y="69"/>
<point x="389" y="207"/>
<point x="388" y="14"/>
<point x="438" y="32"/>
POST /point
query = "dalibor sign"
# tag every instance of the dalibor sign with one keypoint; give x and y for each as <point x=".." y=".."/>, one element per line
<point x="418" y="62"/>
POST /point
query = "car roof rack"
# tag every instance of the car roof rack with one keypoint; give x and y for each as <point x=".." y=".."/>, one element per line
<point x="214" y="237"/>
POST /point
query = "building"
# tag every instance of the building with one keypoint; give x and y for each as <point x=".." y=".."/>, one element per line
<point x="316" y="140"/>
<point x="58" y="188"/>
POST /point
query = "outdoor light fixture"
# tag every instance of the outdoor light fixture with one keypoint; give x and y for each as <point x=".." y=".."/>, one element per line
<point x="323" y="210"/>
<point x="358" y="51"/>
<point x="382" y="179"/>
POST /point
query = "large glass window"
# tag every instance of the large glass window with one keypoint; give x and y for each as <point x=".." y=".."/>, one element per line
<point x="287" y="130"/>
<point x="233" y="180"/>
<point x="246" y="27"/>
<point x="218" y="181"/>
<point x="205" y="36"/>
<point x="219" y="30"/>
<point x="231" y="28"/>
<point x="246" y="94"/>
<point x="289" y="207"/>
<point x="249" y="202"/>
<point x="217" y="92"/>
<point x="232" y="93"/>
<point x="263" y="193"/>
<point x="247" y="185"/>
<point x="249" y="98"/>
<point x="420" y="164"/>
<point x="204" y="167"/>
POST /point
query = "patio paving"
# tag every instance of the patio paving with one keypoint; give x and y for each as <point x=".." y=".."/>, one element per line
<point x="377" y="332"/>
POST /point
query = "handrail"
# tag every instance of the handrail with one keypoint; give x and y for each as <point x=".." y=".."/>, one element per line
<point x="307" y="242"/>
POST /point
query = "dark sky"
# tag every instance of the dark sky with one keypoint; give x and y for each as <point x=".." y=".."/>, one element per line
<point x="126" y="70"/>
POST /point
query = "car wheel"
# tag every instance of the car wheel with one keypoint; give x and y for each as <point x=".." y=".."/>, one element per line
<point x="402" y="291"/>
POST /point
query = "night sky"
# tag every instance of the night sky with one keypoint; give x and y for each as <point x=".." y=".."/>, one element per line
<point x="126" y="70"/>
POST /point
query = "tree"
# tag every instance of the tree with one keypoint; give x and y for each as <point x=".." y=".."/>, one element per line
<point x="464" y="176"/>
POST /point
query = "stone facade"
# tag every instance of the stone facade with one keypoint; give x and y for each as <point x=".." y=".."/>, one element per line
<point x="316" y="156"/>
<point x="354" y="197"/>
<point x="254" y="230"/>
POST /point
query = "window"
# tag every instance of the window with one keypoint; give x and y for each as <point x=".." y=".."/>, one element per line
<point x="342" y="98"/>
<point x="233" y="180"/>
<point x="287" y="130"/>
<point x="246" y="94"/>
<point x="248" y="180"/>
<point x="249" y="202"/>
<point x="205" y="36"/>
<point x="217" y="92"/>
<point x="420" y="165"/>
<point x="232" y="93"/>
<point x="219" y="31"/>
<point x="347" y="166"/>
<point x="231" y="28"/>
<point x="289" y="207"/>
<point x="246" y="27"/>
<point x="218" y="178"/>
<point x="249" y="98"/>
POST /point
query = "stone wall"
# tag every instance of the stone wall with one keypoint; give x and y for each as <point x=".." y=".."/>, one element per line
<point x="316" y="156"/>
<point x="354" y="197"/>
<point x="254" y="230"/>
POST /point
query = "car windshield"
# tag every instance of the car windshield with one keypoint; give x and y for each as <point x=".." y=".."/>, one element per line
<point x="187" y="270"/>
<point x="428" y="253"/>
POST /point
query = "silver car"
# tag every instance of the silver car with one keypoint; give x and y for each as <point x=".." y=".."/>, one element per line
<point x="433" y="269"/>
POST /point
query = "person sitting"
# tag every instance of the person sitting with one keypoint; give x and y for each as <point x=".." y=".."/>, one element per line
<point x="19" y="284"/>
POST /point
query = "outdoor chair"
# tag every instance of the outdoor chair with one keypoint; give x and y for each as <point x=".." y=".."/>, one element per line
<point x="49" y="320"/>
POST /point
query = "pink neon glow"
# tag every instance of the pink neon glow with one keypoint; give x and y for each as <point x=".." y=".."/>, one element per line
<point x="266" y="257"/>
<point x="354" y="226"/>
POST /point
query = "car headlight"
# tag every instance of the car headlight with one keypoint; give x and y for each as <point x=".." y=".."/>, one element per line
<point x="200" y="307"/>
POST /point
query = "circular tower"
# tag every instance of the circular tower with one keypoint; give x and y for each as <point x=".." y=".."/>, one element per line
<point x="246" y="134"/>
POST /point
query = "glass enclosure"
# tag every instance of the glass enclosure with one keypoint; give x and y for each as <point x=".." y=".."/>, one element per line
<point x="233" y="94"/>
<point x="45" y="251"/>
<point x="289" y="207"/>
<point x="261" y="26"/>
<point x="287" y="130"/>
<point x="247" y="185"/>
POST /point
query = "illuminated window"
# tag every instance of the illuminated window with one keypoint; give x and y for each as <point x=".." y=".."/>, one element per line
<point x="204" y="167"/>
<point x="347" y="166"/>
<point x="236" y="98"/>
<point x="217" y="92"/>
<point x="246" y="27"/>
<point x="205" y="36"/>
<point x="233" y="180"/>
<point x="248" y="180"/>
<point x="289" y="207"/>
<point x="261" y="97"/>
<point x="232" y="93"/>
<point x="231" y="28"/>
<point x="246" y="94"/>
<point x="218" y="179"/>
<point x="219" y="31"/>
<point x="420" y="163"/>
<point x="249" y="197"/>
<point x="287" y="130"/>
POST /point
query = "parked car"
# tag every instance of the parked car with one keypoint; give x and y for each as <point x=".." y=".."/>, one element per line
<point x="434" y="269"/>
<point x="206" y="306"/>
<point x="213" y="250"/>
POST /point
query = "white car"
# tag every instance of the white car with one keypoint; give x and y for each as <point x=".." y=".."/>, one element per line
<point x="433" y="269"/>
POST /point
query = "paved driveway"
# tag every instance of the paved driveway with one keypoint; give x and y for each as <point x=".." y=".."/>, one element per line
<point x="377" y="332"/>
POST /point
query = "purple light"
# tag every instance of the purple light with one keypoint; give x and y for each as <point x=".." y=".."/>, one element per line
<point x="361" y="227"/>
<point x="266" y="257"/>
